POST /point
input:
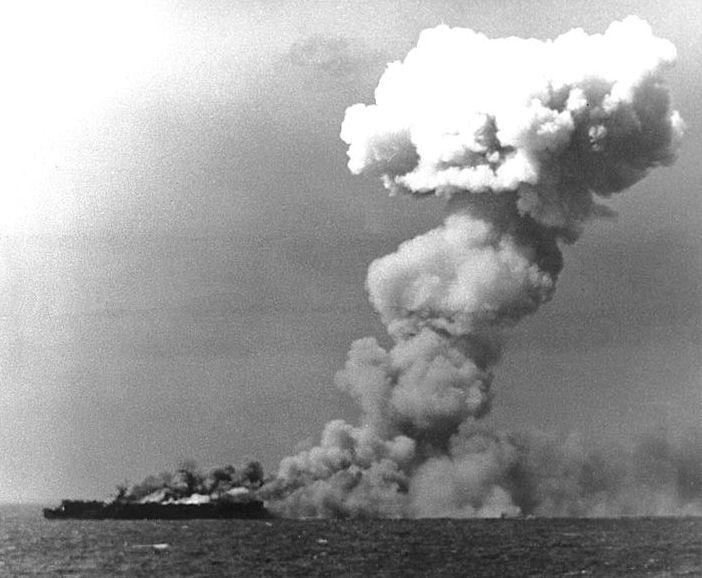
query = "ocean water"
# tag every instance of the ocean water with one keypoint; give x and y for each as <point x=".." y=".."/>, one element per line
<point x="33" y="546"/>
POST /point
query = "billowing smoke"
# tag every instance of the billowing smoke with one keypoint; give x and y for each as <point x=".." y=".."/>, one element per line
<point x="520" y="136"/>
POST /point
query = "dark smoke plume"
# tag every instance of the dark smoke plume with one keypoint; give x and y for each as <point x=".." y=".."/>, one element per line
<point x="520" y="136"/>
<point x="188" y="485"/>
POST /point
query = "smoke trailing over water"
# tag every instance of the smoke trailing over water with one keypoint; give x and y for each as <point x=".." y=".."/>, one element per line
<point x="521" y="137"/>
<point x="488" y="474"/>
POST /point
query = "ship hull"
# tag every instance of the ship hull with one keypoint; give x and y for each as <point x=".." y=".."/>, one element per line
<point x="155" y="511"/>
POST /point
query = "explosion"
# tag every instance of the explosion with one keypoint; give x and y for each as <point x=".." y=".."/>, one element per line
<point x="520" y="136"/>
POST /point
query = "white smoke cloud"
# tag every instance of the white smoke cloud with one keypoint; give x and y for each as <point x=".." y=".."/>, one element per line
<point x="519" y="135"/>
<point x="555" y="121"/>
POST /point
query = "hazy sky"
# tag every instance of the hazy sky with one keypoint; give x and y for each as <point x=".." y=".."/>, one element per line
<point x="183" y="250"/>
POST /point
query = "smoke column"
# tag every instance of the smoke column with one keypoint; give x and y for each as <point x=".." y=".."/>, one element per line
<point x="520" y="136"/>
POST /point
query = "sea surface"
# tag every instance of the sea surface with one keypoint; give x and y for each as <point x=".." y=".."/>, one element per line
<point x="33" y="546"/>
